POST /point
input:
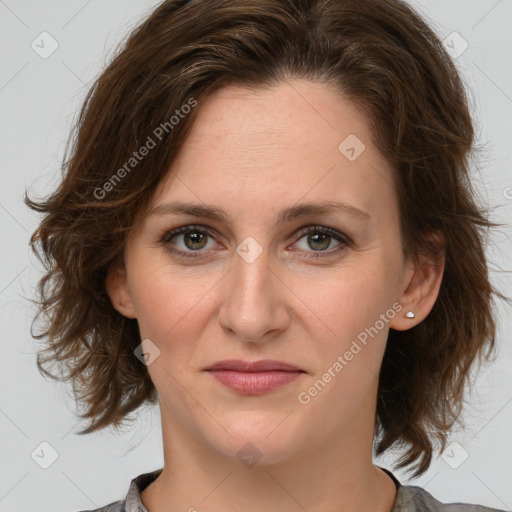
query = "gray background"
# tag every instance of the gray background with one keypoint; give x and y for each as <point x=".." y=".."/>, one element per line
<point x="39" y="99"/>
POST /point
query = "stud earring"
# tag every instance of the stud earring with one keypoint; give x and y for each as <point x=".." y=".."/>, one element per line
<point x="409" y="314"/>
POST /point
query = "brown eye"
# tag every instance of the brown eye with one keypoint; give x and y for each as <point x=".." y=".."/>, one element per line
<point x="319" y="239"/>
<point x="195" y="240"/>
<point x="187" y="241"/>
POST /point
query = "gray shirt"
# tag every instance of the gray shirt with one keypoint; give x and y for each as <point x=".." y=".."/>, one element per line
<point x="409" y="498"/>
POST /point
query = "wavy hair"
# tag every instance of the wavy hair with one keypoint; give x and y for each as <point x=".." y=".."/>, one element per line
<point x="381" y="55"/>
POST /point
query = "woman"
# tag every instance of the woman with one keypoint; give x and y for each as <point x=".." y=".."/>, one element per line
<point x="266" y="226"/>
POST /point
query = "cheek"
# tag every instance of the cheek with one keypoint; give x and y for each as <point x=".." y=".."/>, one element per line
<point x="351" y="296"/>
<point x="352" y="308"/>
<point x="353" y="313"/>
<point x="170" y="303"/>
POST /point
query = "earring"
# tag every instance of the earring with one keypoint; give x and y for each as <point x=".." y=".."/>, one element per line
<point x="409" y="314"/>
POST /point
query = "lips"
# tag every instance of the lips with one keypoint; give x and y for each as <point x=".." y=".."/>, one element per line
<point x="254" y="378"/>
<point x="264" y="365"/>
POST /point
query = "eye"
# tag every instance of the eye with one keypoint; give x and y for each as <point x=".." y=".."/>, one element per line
<point x="319" y="238"/>
<point x="195" y="238"/>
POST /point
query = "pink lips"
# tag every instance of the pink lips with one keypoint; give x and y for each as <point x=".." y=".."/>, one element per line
<point x="254" y="378"/>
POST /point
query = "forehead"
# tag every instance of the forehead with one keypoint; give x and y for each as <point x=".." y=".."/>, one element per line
<point x="276" y="146"/>
<point x="304" y="116"/>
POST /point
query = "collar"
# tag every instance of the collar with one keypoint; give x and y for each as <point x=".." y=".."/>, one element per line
<point x="133" y="502"/>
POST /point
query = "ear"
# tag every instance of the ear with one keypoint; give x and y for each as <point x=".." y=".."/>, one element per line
<point x="422" y="281"/>
<point x="116" y="284"/>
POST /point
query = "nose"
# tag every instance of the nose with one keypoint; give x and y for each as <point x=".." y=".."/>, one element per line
<point x="254" y="300"/>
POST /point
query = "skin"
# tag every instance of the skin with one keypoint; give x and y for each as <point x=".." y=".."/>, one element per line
<point x="254" y="153"/>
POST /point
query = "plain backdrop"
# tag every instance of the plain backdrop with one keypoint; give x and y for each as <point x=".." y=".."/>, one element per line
<point x="40" y="97"/>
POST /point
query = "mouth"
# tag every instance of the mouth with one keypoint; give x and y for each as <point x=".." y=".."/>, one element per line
<point x="254" y="378"/>
<point x="264" y="365"/>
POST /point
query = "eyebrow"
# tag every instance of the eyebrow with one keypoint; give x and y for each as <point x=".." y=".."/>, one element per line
<point x="288" y="215"/>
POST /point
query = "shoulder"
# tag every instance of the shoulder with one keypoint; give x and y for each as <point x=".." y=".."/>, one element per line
<point x="132" y="502"/>
<point x="411" y="498"/>
<point x="115" y="506"/>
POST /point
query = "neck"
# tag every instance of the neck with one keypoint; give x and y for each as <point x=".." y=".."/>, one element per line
<point x="335" y="476"/>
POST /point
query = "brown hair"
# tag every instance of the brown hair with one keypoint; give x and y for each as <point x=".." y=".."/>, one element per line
<point x="378" y="53"/>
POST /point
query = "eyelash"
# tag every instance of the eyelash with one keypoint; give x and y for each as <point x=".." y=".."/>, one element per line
<point x="168" y="235"/>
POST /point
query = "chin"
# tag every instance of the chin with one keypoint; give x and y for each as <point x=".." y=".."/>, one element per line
<point x="265" y="441"/>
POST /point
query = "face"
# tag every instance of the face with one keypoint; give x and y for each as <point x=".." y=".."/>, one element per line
<point x="318" y="289"/>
